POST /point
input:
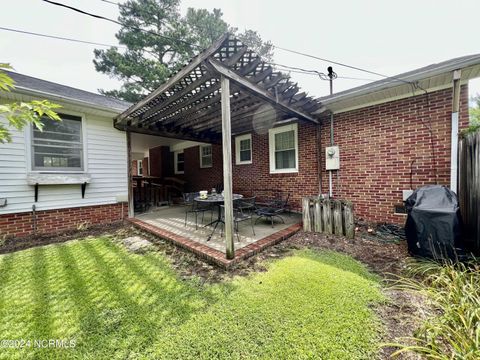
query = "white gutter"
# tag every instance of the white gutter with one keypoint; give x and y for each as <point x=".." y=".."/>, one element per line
<point x="412" y="76"/>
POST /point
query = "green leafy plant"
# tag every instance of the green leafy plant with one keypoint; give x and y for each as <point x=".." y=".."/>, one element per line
<point x="453" y="291"/>
<point x="20" y="114"/>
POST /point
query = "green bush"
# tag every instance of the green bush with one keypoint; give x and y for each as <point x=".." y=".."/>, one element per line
<point x="453" y="290"/>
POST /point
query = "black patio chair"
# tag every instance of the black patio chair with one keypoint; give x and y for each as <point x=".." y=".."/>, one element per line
<point x="281" y="203"/>
<point x="246" y="204"/>
<point x="276" y="208"/>
<point x="269" y="213"/>
<point x="238" y="217"/>
<point x="195" y="207"/>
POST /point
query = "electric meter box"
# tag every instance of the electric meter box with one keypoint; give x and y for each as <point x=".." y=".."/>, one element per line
<point x="332" y="158"/>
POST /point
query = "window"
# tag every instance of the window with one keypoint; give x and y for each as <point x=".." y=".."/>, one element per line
<point x="139" y="167"/>
<point x="59" y="146"/>
<point x="283" y="145"/>
<point x="179" y="162"/>
<point x="243" y="149"/>
<point x="205" y="156"/>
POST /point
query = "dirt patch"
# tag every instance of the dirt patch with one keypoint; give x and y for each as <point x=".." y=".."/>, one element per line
<point x="15" y="244"/>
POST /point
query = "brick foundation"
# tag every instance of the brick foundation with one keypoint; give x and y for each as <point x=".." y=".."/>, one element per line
<point x="54" y="221"/>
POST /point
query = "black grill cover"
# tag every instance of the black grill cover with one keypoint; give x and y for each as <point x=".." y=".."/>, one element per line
<point x="433" y="226"/>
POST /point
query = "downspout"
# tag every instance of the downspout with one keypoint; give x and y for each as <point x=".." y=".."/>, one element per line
<point x="319" y="157"/>
<point x="457" y="74"/>
<point x="332" y="75"/>
<point x="330" y="172"/>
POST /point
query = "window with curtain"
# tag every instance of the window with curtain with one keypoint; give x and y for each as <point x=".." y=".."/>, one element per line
<point x="206" y="156"/>
<point x="283" y="149"/>
<point x="59" y="146"/>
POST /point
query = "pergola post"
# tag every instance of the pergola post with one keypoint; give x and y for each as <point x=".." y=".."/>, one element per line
<point x="227" y="167"/>
<point x="131" y="213"/>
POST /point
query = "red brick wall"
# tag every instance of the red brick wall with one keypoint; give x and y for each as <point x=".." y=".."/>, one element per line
<point x="161" y="164"/>
<point x="378" y="145"/>
<point x="202" y="178"/>
<point x="255" y="178"/>
<point x="52" y="221"/>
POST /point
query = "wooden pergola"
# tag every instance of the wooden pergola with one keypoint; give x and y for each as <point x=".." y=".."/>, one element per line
<point x="214" y="96"/>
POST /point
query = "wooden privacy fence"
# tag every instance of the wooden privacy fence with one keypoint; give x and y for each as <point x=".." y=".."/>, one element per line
<point x="328" y="216"/>
<point x="469" y="186"/>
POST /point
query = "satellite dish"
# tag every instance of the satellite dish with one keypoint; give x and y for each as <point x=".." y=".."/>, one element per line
<point x="264" y="118"/>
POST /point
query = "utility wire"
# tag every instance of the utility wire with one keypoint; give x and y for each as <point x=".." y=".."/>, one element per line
<point x="342" y="64"/>
<point x="414" y="85"/>
<point x="60" y="38"/>
<point x="119" y="23"/>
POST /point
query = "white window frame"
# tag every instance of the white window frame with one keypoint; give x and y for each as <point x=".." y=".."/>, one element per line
<point x="238" y="140"/>
<point x="29" y="148"/>
<point x="202" y="166"/>
<point x="139" y="166"/>
<point x="271" y="143"/>
<point x="175" y="162"/>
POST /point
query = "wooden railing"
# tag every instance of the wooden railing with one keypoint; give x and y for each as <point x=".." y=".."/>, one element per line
<point x="328" y="216"/>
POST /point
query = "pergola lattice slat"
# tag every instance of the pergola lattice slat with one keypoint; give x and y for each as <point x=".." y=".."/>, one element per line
<point x="189" y="106"/>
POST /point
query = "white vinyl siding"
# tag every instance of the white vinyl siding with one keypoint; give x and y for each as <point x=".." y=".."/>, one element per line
<point x="243" y="149"/>
<point x="206" y="156"/>
<point x="105" y="163"/>
<point x="283" y="149"/>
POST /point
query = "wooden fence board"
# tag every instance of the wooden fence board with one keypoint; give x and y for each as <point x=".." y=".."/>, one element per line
<point x="337" y="217"/>
<point x="469" y="186"/>
<point x="318" y="215"/>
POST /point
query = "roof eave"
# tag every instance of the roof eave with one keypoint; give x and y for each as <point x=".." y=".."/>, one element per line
<point x="377" y="87"/>
<point x="55" y="97"/>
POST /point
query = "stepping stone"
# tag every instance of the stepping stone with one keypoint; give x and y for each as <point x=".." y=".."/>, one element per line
<point x="137" y="244"/>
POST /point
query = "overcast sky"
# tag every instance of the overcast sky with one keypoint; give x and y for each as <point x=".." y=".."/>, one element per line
<point x="388" y="37"/>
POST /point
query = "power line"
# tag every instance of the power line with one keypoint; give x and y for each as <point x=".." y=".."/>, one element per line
<point x="118" y="22"/>
<point x="60" y="38"/>
<point x="342" y="64"/>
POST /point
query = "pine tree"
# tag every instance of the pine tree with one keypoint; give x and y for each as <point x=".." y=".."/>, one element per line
<point x="164" y="43"/>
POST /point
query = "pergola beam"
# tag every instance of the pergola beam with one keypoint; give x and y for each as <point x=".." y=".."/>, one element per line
<point x="257" y="90"/>
<point x="199" y="59"/>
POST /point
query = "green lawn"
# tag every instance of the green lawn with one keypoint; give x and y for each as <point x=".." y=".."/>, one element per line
<point x="118" y="305"/>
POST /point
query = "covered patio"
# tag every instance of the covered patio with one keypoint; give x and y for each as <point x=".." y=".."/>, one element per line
<point x="226" y="90"/>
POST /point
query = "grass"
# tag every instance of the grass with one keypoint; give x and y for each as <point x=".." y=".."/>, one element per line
<point x="453" y="290"/>
<point x="119" y="305"/>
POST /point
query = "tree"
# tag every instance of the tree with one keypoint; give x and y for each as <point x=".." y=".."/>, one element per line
<point x="20" y="114"/>
<point x="475" y="111"/>
<point x="163" y="45"/>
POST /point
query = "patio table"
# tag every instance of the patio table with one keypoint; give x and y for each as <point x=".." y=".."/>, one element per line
<point x="216" y="200"/>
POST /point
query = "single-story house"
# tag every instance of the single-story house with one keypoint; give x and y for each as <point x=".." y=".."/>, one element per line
<point x="391" y="135"/>
<point x="71" y="175"/>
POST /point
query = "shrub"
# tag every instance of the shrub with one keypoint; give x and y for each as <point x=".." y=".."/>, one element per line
<point x="453" y="290"/>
